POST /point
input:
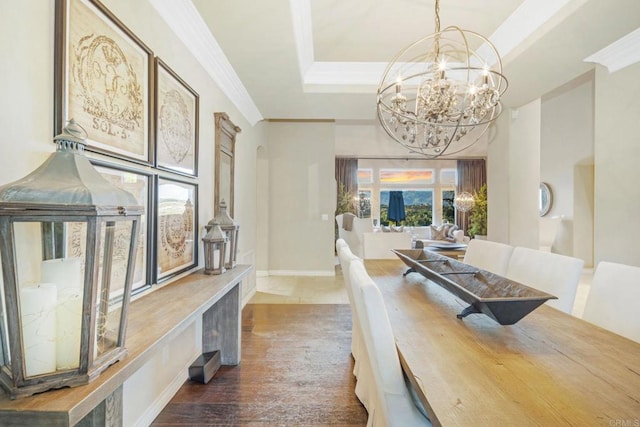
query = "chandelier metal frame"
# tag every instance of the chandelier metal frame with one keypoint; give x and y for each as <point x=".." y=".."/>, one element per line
<point x="438" y="95"/>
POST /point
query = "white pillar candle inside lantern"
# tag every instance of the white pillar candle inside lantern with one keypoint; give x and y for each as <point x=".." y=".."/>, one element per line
<point x="38" y="317"/>
<point x="66" y="273"/>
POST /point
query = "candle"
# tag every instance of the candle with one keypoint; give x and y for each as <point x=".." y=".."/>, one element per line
<point x="38" y="318"/>
<point x="66" y="273"/>
<point x="68" y="327"/>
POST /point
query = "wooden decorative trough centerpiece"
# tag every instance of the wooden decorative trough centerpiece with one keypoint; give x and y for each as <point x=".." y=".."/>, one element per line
<point x="502" y="299"/>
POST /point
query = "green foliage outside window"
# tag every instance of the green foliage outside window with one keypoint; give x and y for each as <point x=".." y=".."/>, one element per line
<point x="417" y="215"/>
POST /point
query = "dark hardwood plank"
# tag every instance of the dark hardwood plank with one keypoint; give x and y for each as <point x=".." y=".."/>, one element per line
<point x="295" y="371"/>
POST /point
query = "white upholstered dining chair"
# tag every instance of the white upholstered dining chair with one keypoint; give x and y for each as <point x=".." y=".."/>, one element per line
<point x="612" y="302"/>
<point x="490" y="256"/>
<point x="391" y="403"/>
<point x="549" y="272"/>
<point x="346" y="256"/>
<point x="361" y="366"/>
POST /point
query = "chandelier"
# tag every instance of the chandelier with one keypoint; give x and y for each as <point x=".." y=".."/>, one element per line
<point x="464" y="201"/>
<point x="439" y="94"/>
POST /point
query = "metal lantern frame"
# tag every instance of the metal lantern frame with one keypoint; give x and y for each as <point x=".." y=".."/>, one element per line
<point x="214" y="240"/>
<point x="231" y="229"/>
<point x="66" y="189"/>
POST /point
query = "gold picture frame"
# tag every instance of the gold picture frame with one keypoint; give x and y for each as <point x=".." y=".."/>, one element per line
<point x="177" y="111"/>
<point x="103" y="80"/>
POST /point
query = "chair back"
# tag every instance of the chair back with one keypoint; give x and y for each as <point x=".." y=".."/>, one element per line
<point x="613" y="299"/>
<point x="490" y="256"/>
<point x="553" y="273"/>
<point x="392" y="405"/>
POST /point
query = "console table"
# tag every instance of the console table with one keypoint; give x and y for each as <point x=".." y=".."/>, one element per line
<point x="154" y="320"/>
<point x="548" y="369"/>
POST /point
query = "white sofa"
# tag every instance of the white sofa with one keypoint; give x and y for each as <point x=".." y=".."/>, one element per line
<point x="424" y="234"/>
<point x="366" y="243"/>
<point x="378" y="245"/>
<point x="354" y="237"/>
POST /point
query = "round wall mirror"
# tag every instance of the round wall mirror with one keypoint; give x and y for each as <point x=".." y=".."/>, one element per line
<point x="546" y="199"/>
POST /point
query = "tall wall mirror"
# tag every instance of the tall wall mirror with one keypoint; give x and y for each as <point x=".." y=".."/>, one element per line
<point x="225" y="136"/>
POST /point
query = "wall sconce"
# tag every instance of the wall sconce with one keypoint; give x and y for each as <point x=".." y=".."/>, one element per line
<point x="231" y="229"/>
<point x="67" y="243"/>
<point x="215" y="248"/>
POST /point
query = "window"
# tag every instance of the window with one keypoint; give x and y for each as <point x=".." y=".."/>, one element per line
<point x="418" y="207"/>
<point x="448" y="177"/>
<point x="406" y="176"/>
<point x="448" y="211"/>
<point x="365" y="176"/>
<point x="363" y="203"/>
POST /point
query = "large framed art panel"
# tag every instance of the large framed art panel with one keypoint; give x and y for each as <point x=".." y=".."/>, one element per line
<point x="140" y="185"/>
<point x="103" y="80"/>
<point x="176" y="227"/>
<point x="176" y="122"/>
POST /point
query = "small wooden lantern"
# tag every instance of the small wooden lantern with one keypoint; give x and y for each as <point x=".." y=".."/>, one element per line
<point x="67" y="243"/>
<point x="231" y="229"/>
<point x="215" y="246"/>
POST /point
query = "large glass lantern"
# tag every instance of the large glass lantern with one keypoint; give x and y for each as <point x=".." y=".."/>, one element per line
<point x="67" y="246"/>
<point x="231" y="229"/>
<point x="215" y="245"/>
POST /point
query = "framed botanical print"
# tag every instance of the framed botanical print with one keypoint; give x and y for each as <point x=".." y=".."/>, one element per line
<point x="176" y="122"/>
<point x="176" y="227"/>
<point x="140" y="185"/>
<point x="103" y="80"/>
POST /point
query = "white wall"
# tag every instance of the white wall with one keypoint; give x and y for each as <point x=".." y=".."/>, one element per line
<point x="617" y="174"/>
<point x="26" y="67"/>
<point x="301" y="176"/>
<point x="524" y="176"/>
<point x="368" y="139"/>
<point x="262" y="224"/>
<point x="566" y="142"/>
<point x="498" y="215"/>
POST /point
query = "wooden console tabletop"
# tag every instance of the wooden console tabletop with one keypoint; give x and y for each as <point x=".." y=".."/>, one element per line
<point x="154" y="320"/>
<point x="549" y="369"/>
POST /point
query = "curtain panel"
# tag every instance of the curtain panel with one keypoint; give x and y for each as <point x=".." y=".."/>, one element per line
<point x="347" y="182"/>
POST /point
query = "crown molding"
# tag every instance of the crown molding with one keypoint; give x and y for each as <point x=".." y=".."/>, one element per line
<point x="619" y="54"/>
<point x="185" y="21"/>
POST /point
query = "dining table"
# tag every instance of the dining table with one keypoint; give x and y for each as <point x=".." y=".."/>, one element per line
<point x="548" y="369"/>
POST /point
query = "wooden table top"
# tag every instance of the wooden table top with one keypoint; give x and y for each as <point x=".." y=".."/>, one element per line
<point x="548" y="369"/>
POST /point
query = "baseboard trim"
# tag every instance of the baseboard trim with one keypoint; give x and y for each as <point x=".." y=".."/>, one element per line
<point x="167" y="394"/>
<point x="322" y="273"/>
<point x="262" y="273"/>
<point x="248" y="297"/>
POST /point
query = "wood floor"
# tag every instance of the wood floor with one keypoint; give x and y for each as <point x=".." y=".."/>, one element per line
<point x="295" y="371"/>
